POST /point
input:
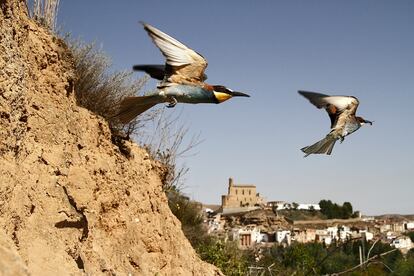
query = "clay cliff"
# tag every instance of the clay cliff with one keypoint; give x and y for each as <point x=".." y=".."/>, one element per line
<point x="70" y="201"/>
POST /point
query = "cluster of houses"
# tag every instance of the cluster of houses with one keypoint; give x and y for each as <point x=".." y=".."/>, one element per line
<point x="251" y="235"/>
<point x="242" y="199"/>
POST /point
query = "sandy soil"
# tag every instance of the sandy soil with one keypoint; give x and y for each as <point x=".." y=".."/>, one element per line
<point x="70" y="202"/>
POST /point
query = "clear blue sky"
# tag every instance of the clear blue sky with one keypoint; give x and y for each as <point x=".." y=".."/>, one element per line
<point x="270" y="49"/>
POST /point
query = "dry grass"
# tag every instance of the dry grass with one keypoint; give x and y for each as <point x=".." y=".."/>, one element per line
<point x="169" y="143"/>
<point x="101" y="91"/>
<point x="45" y="12"/>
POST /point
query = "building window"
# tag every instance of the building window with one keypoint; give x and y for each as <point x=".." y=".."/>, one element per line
<point x="236" y="192"/>
<point x="245" y="240"/>
<point x="242" y="192"/>
<point x="250" y="192"/>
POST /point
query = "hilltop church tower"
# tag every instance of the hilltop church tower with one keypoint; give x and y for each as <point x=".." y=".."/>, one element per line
<point x="240" y="196"/>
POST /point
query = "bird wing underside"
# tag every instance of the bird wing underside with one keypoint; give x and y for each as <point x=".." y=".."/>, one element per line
<point x="183" y="65"/>
<point x="333" y="114"/>
<point x="334" y="105"/>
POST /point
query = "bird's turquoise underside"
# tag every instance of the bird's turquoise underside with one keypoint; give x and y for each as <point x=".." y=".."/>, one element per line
<point x="185" y="94"/>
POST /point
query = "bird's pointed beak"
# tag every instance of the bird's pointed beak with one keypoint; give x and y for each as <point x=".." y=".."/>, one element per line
<point x="368" y="122"/>
<point x="239" y="94"/>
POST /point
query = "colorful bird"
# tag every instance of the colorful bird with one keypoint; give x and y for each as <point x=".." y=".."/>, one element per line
<point x="182" y="79"/>
<point x="341" y="111"/>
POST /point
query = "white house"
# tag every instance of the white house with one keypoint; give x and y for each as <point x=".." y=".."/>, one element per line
<point x="344" y="232"/>
<point x="283" y="236"/>
<point x="409" y="225"/>
<point x="214" y="223"/>
<point x="391" y="235"/>
<point x="305" y="206"/>
<point x="403" y="243"/>
<point x="324" y="238"/>
<point x="333" y="232"/>
<point x="279" y="205"/>
<point x="247" y="236"/>
<point x="368" y="235"/>
<point x="322" y="235"/>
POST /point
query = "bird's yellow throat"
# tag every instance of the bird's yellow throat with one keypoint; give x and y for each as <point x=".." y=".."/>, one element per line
<point x="221" y="97"/>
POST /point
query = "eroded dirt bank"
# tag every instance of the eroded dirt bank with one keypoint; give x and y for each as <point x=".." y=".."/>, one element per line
<point x="70" y="201"/>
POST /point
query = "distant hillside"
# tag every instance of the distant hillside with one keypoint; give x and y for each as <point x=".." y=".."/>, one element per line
<point x="395" y="217"/>
<point x="301" y="215"/>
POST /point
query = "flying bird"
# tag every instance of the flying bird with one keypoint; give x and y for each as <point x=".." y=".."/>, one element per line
<point x="341" y="111"/>
<point x="182" y="79"/>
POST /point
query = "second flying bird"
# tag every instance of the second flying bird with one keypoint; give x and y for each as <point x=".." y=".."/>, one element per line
<point x="182" y="79"/>
<point x="341" y="111"/>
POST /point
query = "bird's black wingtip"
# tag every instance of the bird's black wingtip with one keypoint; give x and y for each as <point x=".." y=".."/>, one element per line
<point x="137" y="67"/>
<point x="145" y="25"/>
<point x="304" y="92"/>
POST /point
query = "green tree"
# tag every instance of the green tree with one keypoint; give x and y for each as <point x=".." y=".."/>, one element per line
<point x="225" y="255"/>
<point x="296" y="259"/>
<point x="337" y="261"/>
<point x="312" y="210"/>
<point x="410" y="235"/>
<point x="332" y="210"/>
<point x="347" y="210"/>
<point x="190" y="215"/>
<point x="405" y="266"/>
<point x="326" y="208"/>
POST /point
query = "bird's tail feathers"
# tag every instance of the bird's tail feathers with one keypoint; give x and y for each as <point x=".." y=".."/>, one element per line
<point x="131" y="107"/>
<point x="323" y="146"/>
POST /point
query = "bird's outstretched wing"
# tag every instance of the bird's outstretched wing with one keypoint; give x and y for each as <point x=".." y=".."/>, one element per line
<point x="156" y="71"/>
<point x="334" y="105"/>
<point x="183" y="65"/>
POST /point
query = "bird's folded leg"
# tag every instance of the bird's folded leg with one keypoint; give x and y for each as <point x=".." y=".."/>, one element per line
<point x="341" y="139"/>
<point x="172" y="102"/>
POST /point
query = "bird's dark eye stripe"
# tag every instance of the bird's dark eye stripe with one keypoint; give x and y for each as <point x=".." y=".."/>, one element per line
<point x="221" y="88"/>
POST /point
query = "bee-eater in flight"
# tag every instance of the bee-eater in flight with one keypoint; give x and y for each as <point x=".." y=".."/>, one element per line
<point x="182" y="79"/>
<point x="341" y="111"/>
